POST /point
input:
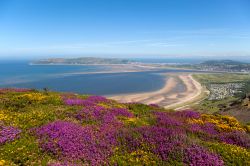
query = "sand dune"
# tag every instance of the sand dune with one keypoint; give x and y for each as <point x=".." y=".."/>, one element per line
<point x="167" y="96"/>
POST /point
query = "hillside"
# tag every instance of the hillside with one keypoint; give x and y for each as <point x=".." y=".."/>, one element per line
<point x="222" y="62"/>
<point x="217" y="66"/>
<point x="224" y="65"/>
<point x="229" y="95"/>
<point x="56" y="129"/>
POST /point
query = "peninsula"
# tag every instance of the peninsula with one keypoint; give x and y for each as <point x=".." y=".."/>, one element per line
<point x="81" y="61"/>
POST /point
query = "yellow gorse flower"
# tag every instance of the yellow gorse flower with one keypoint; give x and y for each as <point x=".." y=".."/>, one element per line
<point x="196" y="121"/>
<point x="141" y="156"/>
<point x="222" y="122"/>
<point x="2" y="162"/>
<point x="230" y="151"/>
<point x="135" y="121"/>
<point x="3" y="116"/>
<point x="131" y="120"/>
<point x="33" y="96"/>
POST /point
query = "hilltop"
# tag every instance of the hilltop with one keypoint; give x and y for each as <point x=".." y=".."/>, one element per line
<point x="216" y="66"/>
<point x="222" y="62"/>
<point x="50" y="128"/>
<point x="224" y="65"/>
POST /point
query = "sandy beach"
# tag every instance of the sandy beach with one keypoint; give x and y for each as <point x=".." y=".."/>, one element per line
<point x="168" y="96"/>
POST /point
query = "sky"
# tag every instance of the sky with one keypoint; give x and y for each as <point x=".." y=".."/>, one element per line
<point x="124" y="28"/>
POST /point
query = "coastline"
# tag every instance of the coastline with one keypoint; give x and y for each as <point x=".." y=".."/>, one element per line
<point x="167" y="97"/>
<point x="193" y="95"/>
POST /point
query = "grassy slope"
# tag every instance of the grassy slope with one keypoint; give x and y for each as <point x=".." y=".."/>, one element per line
<point x="225" y="106"/>
<point x="30" y="111"/>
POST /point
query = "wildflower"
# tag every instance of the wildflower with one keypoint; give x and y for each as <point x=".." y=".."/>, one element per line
<point x="162" y="140"/>
<point x="196" y="155"/>
<point x="8" y="133"/>
<point x="33" y="96"/>
<point x="3" y="116"/>
<point x="236" y="138"/>
<point x="69" y="141"/>
<point x="2" y="162"/>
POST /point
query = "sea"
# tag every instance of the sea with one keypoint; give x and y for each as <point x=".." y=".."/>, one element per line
<point x="83" y="79"/>
<point x="64" y="78"/>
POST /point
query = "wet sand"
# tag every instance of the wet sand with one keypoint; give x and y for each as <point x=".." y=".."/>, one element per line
<point x="169" y="96"/>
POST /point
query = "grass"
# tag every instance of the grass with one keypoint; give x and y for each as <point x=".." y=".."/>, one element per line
<point x="221" y="78"/>
<point x="213" y="106"/>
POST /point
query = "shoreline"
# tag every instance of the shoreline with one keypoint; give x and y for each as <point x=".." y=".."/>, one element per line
<point x="192" y="95"/>
<point x="166" y="96"/>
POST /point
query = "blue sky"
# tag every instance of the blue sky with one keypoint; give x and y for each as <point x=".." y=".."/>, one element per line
<point x="124" y="28"/>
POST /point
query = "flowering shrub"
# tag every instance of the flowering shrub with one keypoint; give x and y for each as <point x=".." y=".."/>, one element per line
<point x="224" y="128"/>
<point x="99" y="114"/>
<point x="88" y="102"/>
<point x="8" y="133"/>
<point x="2" y="162"/>
<point x="139" y="109"/>
<point x="196" y="155"/>
<point x="63" y="164"/>
<point x="207" y="128"/>
<point x="3" y="116"/>
<point x="72" y="141"/>
<point x="65" y="96"/>
<point x="23" y="151"/>
<point x="97" y="99"/>
<point x="18" y="102"/>
<point x="162" y="141"/>
<point x="79" y="102"/>
<point x="236" y="137"/>
<point x="30" y="119"/>
<point x="188" y="114"/>
<point x="231" y="154"/>
<point x="68" y="138"/>
<point x="91" y="114"/>
<point x="33" y="97"/>
<point x="165" y="119"/>
<point x="71" y="129"/>
<point x="136" y="122"/>
<point x="85" y="140"/>
<point x="138" y="157"/>
<point x="223" y="123"/>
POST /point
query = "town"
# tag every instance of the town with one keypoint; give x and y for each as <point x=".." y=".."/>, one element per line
<point x="221" y="91"/>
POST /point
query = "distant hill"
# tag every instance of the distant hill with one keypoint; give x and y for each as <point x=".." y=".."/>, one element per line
<point x="223" y="65"/>
<point x="82" y="60"/>
<point x="222" y="62"/>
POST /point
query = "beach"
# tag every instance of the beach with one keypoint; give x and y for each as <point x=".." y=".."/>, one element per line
<point x="168" y="96"/>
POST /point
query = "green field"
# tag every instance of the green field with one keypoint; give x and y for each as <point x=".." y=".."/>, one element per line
<point x="221" y="78"/>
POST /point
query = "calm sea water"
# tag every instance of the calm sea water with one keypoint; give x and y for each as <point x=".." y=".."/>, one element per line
<point x="61" y="77"/>
<point x="58" y="78"/>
